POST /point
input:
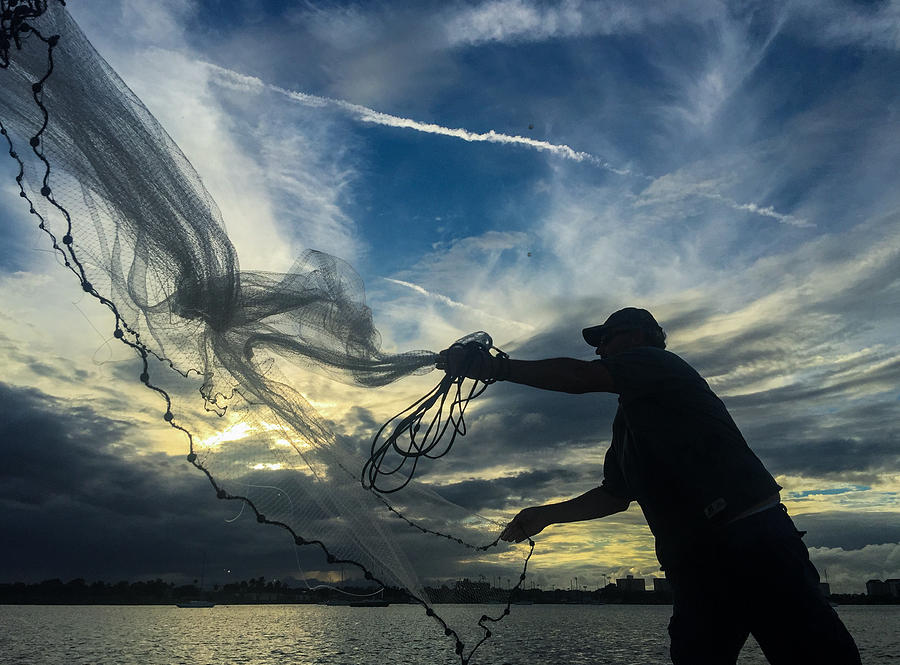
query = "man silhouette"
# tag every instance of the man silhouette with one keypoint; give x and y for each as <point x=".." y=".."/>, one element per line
<point x="735" y="561"/>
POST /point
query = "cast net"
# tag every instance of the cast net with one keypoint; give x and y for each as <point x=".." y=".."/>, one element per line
<point x="128" y="216"/>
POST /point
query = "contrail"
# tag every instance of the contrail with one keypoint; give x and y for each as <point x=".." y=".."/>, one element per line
<point x="238" y="81"/>
<point x="767" y="211"/>
<point x="452" y="303"/>
<point x="365" y="114"/>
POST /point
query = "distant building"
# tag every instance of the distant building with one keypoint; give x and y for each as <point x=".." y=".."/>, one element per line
<point x="630" y="584"/>
<point x="877" y="588"/>
<point x="661" y="584"/>
<point x="893" y="586"/>
<point x="472" y="588"/>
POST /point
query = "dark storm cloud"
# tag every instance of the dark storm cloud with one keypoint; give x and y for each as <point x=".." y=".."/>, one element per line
<point x="507" y="492"/>
<point x="833" y="457"/>
<point x="507" y="424"/>
<point x="716" y="356"/>
<point x="870" y="378"/>
<point x="517" y="420"/>
<point x="40" y="438"/>
<point x="356" y="430"/>
<point x="76" y="500"/>
<point x="849" y="531"/>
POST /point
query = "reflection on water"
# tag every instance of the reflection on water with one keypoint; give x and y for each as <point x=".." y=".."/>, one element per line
<point x="316" y="634"/>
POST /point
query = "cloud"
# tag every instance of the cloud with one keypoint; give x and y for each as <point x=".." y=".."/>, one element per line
<point x="834" y="23"/>
<point x="658" y="190"/>
<point x="282" y="183"/>
<point x="469" y="311"/>
<point x="847" y="570"/>
<point x="80" y="500"/>
<point x="849" y="458"/>
<point x="838" y="530"/>
<point x="523" y="21"/>
<point x="512" y="493"/>
<point x="368" y="115"/>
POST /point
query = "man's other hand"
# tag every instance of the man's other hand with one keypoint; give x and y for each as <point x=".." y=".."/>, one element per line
<point x="526" y="524"/>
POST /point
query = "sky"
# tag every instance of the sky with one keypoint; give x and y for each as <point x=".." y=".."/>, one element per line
<point x="523" y="168"/>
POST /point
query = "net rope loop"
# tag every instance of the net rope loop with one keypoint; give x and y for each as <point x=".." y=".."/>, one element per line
<point x="417" y="431"/>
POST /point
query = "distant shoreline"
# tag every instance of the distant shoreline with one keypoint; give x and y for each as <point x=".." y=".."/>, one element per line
<point x="837" y="599"/>
<point x="260" y="592"/>
<point x="286" y="602"/>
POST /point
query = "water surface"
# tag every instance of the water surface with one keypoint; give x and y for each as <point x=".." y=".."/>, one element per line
<point x="316" y="634"/>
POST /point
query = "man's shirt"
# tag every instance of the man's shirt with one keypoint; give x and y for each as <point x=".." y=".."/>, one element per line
<point x="677" y="452"/>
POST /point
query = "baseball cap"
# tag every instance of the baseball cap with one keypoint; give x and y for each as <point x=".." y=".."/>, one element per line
<point x="625" y="319"/>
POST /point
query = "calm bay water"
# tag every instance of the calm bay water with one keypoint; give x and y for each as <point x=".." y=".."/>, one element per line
<point x="315" y="634"/>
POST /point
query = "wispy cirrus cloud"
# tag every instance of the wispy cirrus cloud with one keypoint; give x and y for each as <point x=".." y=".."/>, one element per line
<point x="835" y="23"/>
<point x="524" y="21"/>
<point x="367" y="115"/>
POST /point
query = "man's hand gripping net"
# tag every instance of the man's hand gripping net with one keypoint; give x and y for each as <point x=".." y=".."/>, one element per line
<point x="419" y="429"/>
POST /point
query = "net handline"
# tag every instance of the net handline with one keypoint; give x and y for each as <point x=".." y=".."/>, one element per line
<point x="408" y="423"/>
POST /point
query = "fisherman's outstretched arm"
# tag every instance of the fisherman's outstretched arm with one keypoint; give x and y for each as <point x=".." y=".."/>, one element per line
<point x="593" y="504"/>
<point x="567" y="375"/>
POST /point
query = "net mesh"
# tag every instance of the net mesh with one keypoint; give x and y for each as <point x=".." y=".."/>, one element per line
<point x="128" y="215"/>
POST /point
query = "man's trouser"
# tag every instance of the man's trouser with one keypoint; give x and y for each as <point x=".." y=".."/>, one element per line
<point x="754" y="577"/>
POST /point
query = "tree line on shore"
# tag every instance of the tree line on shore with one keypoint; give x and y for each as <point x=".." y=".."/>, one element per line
<point x="258" y="590"/>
